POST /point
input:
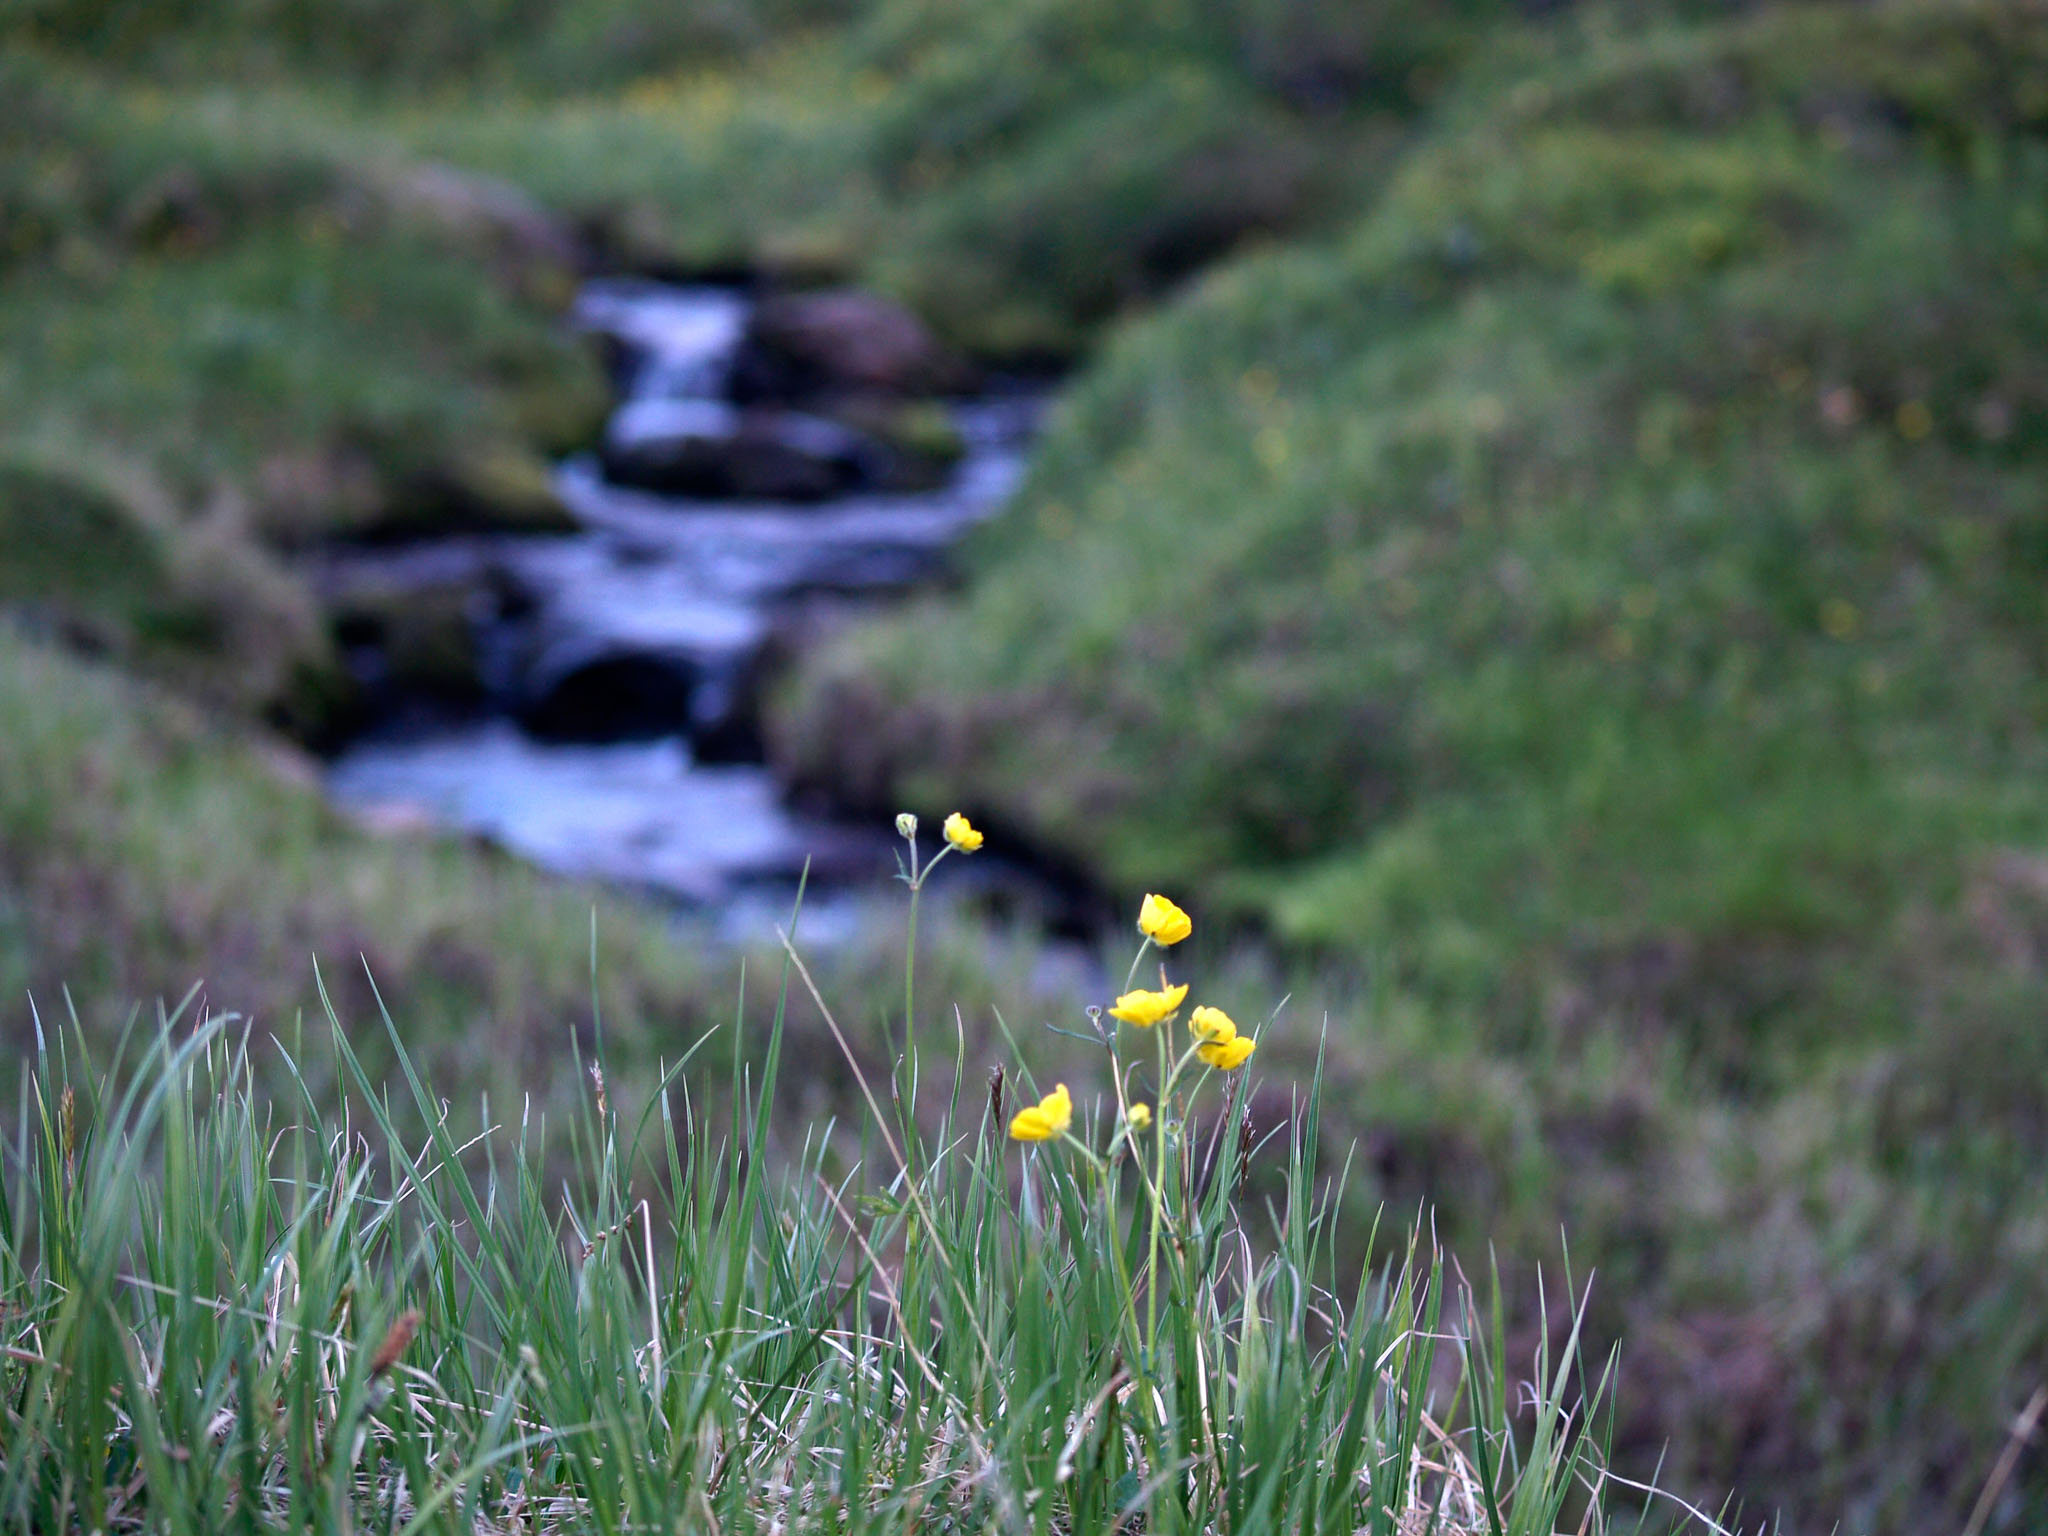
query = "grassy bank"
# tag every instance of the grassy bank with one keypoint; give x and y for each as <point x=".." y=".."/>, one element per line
<point x="150" y="851"/>
<point x="1596" y="593"/>
<point x="229" y="329"/>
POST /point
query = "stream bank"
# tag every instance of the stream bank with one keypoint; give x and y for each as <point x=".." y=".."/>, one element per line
<point x="590" y="700"/>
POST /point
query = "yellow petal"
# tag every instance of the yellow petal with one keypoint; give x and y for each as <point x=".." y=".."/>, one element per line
<point x="1138" y="1117"/>
<point x="1145" y="1009"/>
<point x="1212" y="1024"/>
<point x="1058" y="1108"/>
<point x="961" y="834"/>
<point x="1162" y="922"/>
<point x="1228" y="1055"/>
<point x="1031" y="1125"/>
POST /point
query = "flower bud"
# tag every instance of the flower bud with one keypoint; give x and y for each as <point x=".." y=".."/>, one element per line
<point x="906" y="825"/>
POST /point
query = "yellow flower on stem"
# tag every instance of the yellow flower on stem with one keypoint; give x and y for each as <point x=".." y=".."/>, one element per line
<point x="1138" y="1117"/>
<point x="961" y="834"/>
<point x="1227" y="1055"/>
<point x="1212" y="1025"/>
<point x="1162" y="922"/>
<point x="1048" y="1118"/>
<point x="1145" y="1009"/>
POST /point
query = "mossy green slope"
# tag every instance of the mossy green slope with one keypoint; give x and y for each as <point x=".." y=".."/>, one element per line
<point x="1600" y="593"/>
<point x="1631" y="528"/>
<point x="146" y="850"/>
<point x="1020" y="174"/>
<point x="226" y="332"/>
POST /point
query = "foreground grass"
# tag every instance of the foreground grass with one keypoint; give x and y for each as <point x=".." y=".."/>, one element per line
<point x="225" y="1312"/>
<point x="1847" y="1259"/>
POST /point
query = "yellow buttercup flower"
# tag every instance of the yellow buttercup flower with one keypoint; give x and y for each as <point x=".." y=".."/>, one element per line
<point x="1162" y="922"/>
<point x="1138" y="1117"/>
<point x="1145" y="1009"/>
<point x="1213" y="1025"/>
<point x="961" y="834"/>
<point x="1048" y="1118"/>
<point x="1228" y="1055"/>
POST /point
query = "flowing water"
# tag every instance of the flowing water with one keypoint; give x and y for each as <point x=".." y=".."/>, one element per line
<point x="621" y="665"/>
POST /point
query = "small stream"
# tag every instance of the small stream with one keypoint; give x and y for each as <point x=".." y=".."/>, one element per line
<point x="613" y="729"/>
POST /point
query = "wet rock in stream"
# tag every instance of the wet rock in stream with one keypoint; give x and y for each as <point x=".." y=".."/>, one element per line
<point x="706" y="448"/>
<point x="842" y="343"/>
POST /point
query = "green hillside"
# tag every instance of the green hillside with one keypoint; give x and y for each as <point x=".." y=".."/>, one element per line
<point x="1599" y="591"/>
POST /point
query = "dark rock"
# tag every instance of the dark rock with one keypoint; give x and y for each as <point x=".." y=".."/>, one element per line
<point x="704" y="448"/>
<point x="610" y="695"/>
<point x="559" y="410"/>
<point x="416" y="622"/>
<point x="841" y="342"/>
<point x="725" y="713"/>
<point x="584" y="692"/>
<point x="916" y="445"/>
<point x="412" y="643"/>
<point x="506" y="488"/>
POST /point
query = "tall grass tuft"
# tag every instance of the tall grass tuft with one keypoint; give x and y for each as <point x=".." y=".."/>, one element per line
<point x="222" y="1313"/>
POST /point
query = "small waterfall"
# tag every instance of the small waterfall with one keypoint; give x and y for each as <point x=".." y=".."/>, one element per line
<point x="619" y="668"/>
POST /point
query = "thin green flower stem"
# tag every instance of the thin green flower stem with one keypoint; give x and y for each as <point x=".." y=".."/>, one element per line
<point x="1132" y="975"/>
<point x="1194" y="1049"/>
<point x="1129" y="1138"/>
<point x="916" y="882"/>
<point x="1124" y="1109"/>
<point x="1082" y="1147"/>
<point x="1133" y="1340"/>
<point x="1158" y="1206"/>
<point x="1139" y="1346"/>
<point x="910" y="977"/>
<point x="1157" y="1190"/>
<point x="1123" y="1102"/>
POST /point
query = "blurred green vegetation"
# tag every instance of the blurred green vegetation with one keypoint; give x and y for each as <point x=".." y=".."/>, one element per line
<point x="1550" y="538"/>
<point x="149" y="848"/>
<point x="1599" y="589"/>
<point x="1621" y="482"/>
